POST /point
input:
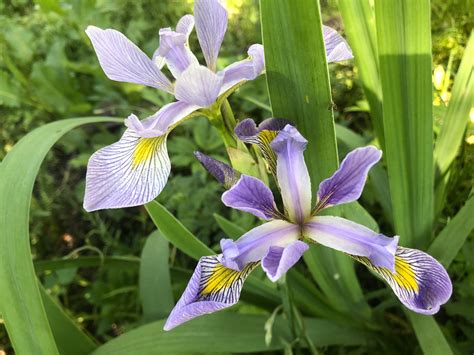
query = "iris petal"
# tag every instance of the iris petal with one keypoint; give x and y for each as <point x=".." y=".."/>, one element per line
<point x="162" y="121"/>
<point x="123" y="61"/>
<point x="248" y="132"/>
<point x="347" y="183"/>
<point x="212" y="287"/>
<point x="254" y="244"/>
<point x="419" y="281"/>
<point x="292" y="174"/>
<point x="128" y="173"/>
<point x="247" y="69"/>
<point x="337" y="48"/>
<point x="211" y="25"/>
<point x="198" y="85"/>
<point x="223" y="173"/>
<point x="352" y="238"/>
<point x="280" y="259"/>
<point x="251" y="195"/>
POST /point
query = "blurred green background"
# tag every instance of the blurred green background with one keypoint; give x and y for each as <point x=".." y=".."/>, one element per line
<point x="49" y="71"/>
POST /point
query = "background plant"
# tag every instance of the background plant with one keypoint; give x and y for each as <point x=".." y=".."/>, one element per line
<point x="48" y="72"/>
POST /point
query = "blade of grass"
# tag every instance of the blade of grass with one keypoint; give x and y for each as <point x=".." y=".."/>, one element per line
<point x="155" y="282"/>
<point x="448" y="243"/>
<point x="298" y="86"/>
<point x="21" y="304"/>
<point x="226" y="332"/>
<point x="69" y="337"/>
<point x="404" y="44"/>
<point x="359" y="24"/>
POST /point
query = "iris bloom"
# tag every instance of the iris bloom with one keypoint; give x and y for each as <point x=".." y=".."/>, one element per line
<point x="417" y="279"/>
<point x="134" y="170"/>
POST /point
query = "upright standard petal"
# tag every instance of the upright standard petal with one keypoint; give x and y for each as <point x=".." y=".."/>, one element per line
<point x="292" y="174"/>
<point x="123" y="61"/>
<point x="199" y="86"/>
<point x="352" y="238"/>
<point x="337" y="48"/>
<point x="212" y="287"/>
<point x="244" y="70"/>
<point x="280" y="259"/>
<point x="185" y="25"/>
<point x="161" y="122"/>
<point x="347" y="183"/>
<point x="128" y="173"/>
<point x="255" y="244"/>
<point x="419" y="281"/>
<point x="221" y="171"/>
<point x="211" y="25"/>
<point x="253" y="196"/>
<point x="174" y="49"/>
<point x="248" y="132"/>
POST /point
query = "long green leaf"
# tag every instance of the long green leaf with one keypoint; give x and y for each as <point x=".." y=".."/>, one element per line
<point x="404" y="46"/>
<point x="457" y="114"/>
<point x="175" y="232"/>
<point x="70" y="339"/>
<point x="451" y="239"/>
<point x="155" y="282"/>
<point x="359" y="24"/>
<point x="298" y="85"/>
<point x="230" y="332"/>
<point x="21" y="305"/>
<point x="429" y="334"/>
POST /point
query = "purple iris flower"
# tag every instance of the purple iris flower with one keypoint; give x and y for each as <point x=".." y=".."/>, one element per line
<point x="134" y="170"/>
<point x="417" y="279"/>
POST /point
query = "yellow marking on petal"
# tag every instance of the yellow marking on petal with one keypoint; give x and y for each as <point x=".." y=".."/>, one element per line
<point x="404" y="275"/>
<point x="265" y="137"/>
<point x="145" y="150"/>
<point x="216" y="281"/>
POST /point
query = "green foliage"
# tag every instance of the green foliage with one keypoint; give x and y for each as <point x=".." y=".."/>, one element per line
<point x="105" y="285"/>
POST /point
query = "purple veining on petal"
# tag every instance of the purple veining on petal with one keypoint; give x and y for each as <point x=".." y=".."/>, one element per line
<point x="162" y="121"/>
<point x="347" y="183"/>
<point x="199" y="86"/>
<point x="244" y="70"/>
<point x="280" y="259"/>
<point x="414" y="267"/>
<point x="123" y="61"/>
<point x="337" y="48"/>
<point x="198" y="300"/>
<point x="292" y="174"/>
<point x="211" y="25"/>
<point x="221" y="171"/>
<point x="173" y="47"/>
<point x="253" y="196"/>
<point x="247" y="131"/>
<point x="352" y="238"/>
<point x="118" y="176"/>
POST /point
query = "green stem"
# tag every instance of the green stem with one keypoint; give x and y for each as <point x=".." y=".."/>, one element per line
<point x="286" y="301"/>
<point x="228" y="116"/>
